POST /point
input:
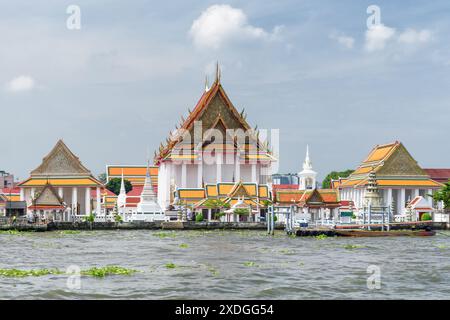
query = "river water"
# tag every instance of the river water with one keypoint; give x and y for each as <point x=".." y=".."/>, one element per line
<point x="227" y="265"/>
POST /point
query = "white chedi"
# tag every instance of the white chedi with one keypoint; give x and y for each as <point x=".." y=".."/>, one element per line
<point x="307" y="175"/>
<point x="148" y="208"/>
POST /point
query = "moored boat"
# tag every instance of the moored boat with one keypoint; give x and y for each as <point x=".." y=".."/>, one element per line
<point x="392" y="233"/>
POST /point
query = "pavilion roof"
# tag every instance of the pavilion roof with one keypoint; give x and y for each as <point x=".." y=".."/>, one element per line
<point x="394" y="167"/>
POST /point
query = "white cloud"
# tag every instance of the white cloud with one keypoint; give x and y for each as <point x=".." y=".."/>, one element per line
<point x="219" y="24"/>
<point x="344" y="40"/>
<point x="20" y="83"/>
<point x="411" y="36"/>
<point x="377" y="36"/>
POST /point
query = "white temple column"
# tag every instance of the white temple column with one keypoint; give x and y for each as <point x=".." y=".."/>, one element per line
<point x="416" y="193"/>
<point x="22" y="195"/>
<point x="87" y="201"/>
<point x="99" y="205"/>
<point x="183" y="175"/>
<point x="219" y="167"/>
<point x="389" y="197"/>
<point x="402" y="203"/>
<point x="254" y="172"/>
<point x="200" y="175"/>
<point x="61" y="192"/>
<point x="74" y="199"/>
<point x="429" y="198"/>
<point x="237" y="177"/>
<point x="33" y="192"/>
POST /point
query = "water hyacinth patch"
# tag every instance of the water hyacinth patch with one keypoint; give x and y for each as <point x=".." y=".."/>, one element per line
<point x="107" y="271"/>
<point x="12" y="232"/>
<point x="64" y="232"/>
<point x="16" y="273"/>
<point x="250" y="264"/>
<point x="184" y="245"/>
<point x="321" y="236"/>
<point x="352" y="246"/>
<point x="170" y="265"/>
<point x="164" y="234"/>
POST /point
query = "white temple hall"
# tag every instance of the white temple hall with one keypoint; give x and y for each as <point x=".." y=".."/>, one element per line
<point x="61" y="188"/>
<point x="398" y="177"/>
<point x="213" y="145"/>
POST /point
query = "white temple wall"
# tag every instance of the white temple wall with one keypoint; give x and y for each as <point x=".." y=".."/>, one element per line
<point x="191" y="175"/>
<point x="246" y="172"/>
<point x="209" y="173"/>
<point x="228" y="171"/>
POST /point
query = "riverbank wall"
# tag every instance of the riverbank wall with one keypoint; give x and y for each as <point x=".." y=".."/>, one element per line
<point x="172" y="225"/>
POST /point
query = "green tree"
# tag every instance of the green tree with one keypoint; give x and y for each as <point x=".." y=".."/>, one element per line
<point x="242" y="211"/>
<point x="114" y="185"/>
<point x="326" y="183"/>
<point x="444" y="196"/>
<point x="216" y="204"/>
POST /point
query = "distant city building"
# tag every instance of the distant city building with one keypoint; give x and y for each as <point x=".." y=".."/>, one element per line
<point x="6" y="180"/>
<point x="285" y="179"/>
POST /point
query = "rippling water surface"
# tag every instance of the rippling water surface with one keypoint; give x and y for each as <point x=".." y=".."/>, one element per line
<point x="227" y="265"/>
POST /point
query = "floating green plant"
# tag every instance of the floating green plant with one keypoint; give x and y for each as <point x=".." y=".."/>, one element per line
<point x="184" y="245"/>
<point x="69" y="232"/>
<point x="14" y="232"/>
<point x="287" y="251"/>
<point x="250" y="264"/>
<point x="321" y="236"/>
<point x="352" y="246"/>
<point x="16" y="273"/>
<point x="170" y="265"/>
<point x="165" y="234"/>
<point x="107" y="271"/>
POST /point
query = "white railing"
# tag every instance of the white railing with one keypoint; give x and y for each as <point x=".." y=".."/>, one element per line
<point x="441" y="217"/>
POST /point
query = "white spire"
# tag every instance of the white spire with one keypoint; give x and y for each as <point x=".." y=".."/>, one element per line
<point x="147" y="190"/>
<point x="122" y="185"/>
<point x="122" y="197"/>
<point x="307" y="165"/>
<point x="307" y="175"/>
<point x="148" y="203"/>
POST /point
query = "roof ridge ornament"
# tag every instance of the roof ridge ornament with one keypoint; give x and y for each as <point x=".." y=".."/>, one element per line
<point x="206" y="85"/>
<point x="218" y="72"/>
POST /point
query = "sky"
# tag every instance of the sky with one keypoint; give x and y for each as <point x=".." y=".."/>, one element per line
<point x="316" y="70"/>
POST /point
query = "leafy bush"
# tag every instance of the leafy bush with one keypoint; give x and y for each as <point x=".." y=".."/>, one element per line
<point x="426" y="217"/>
<point x="242" y="211"/>
<point x="199" y="217"/>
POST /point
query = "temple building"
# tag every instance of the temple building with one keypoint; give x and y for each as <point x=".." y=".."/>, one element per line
<point x="398" y="176"/>
<point x="252" y="196"/>
<point x="60" y="187"/>
<point x="214" y="146"/>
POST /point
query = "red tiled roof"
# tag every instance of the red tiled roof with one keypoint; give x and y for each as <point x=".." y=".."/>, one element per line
<point x="276" y="187"/>
<point x="439" y="175"/>
<point x="135" y="192"/>
<point x="15" y="190"/>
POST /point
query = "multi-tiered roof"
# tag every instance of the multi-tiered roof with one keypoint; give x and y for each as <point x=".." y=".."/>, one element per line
<point x="394" y="167"/>
<point x="215" y="111"/>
